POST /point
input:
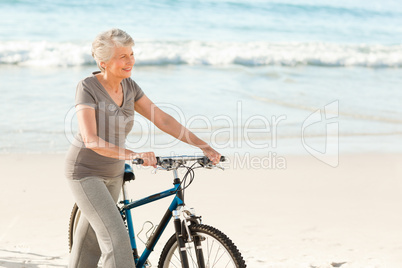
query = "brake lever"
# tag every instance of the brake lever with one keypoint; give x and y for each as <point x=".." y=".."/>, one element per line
<point x="158" y="168"/>
<point x="211" y="166"/>
<point x="220" y="167"/>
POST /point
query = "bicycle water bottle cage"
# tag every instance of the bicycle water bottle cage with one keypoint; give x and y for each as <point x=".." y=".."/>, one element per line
<point x="148" y="233"/>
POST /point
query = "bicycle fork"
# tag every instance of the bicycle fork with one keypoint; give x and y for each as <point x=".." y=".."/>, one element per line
<point x="183" y="236"/>
<point x="181" y="245"/>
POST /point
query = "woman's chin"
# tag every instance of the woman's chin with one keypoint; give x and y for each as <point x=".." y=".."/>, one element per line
<point x="126" y="74"/>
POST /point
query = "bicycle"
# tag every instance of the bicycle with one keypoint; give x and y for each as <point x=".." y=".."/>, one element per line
<point x="193" y="244"/>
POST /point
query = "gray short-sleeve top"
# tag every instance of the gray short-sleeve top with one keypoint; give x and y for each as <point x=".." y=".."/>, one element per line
<point x="113" y="123"/>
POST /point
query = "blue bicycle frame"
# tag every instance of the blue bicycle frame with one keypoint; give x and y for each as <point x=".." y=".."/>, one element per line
<point x="178" y="200"/>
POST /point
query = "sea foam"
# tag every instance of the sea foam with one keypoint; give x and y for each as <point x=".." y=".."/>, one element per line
<point x="66" y="54"/>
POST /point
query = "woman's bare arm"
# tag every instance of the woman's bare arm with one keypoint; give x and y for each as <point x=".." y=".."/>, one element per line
<point x="87" y="124"/>
<point x="168" y="124"/>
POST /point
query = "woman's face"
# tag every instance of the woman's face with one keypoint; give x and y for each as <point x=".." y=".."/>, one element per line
<point x="121" y="63"/>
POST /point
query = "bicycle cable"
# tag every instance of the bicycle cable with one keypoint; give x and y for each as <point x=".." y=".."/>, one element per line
<point x="189" y="173"/>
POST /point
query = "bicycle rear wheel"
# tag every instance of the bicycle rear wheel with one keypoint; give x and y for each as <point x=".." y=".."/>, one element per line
<point x="74" y="218"/>
<point x="217" y="250"/>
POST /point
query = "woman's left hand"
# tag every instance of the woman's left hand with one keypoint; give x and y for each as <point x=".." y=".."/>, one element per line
<point x="212" y="155"/>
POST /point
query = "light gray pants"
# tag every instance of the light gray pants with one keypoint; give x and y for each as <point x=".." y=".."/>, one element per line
<point x="100" y="230"/>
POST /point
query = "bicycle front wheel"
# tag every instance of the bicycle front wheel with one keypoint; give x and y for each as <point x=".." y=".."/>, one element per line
<point x="214" y="249"/>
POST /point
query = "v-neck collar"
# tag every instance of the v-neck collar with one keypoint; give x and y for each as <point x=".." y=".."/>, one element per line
<point x="107" y="93"/>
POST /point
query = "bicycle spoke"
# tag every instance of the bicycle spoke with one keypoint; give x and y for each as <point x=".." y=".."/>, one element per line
<point x="178" y="261"/>
<point x="223" y="253"/>
<point x="173" y="264"/>
<point x="219" y="256"/>
<point x="209" y="253"/>
<point x="216" y="254"/>
<point x="189" y="252"/>
<point x="229" y="261"/>
<point x="177" y="258"/>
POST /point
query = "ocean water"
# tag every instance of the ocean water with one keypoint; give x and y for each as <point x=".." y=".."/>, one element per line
<point x="247" y="76"/>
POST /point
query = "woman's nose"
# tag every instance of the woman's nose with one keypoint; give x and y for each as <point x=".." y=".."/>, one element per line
<point x="131" y="61"/>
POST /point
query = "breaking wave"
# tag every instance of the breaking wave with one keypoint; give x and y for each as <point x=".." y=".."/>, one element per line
<point x="27" y="53"/>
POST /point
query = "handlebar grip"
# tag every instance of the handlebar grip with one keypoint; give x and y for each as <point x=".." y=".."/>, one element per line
<point x="138" y="161"/>
<point x="205" y="160"/>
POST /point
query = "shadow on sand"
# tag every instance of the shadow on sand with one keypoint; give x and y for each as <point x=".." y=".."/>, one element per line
<point x="18" y="259"/>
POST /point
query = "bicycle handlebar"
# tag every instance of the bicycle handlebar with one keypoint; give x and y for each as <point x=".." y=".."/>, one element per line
<point x="161" y="160"/>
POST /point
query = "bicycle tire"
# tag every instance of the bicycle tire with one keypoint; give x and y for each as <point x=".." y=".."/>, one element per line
<point x="72" y="226"/>
<point x="226" y="255"/>
<point x="74" y="218"/>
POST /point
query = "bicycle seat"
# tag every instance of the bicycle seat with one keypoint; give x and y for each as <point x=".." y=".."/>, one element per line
<point x="128" y="173"/>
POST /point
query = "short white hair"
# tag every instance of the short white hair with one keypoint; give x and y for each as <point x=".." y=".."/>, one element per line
<point x="104" y="44"/>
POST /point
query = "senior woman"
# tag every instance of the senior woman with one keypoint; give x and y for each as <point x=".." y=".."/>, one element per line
<point x="105" y="104"/>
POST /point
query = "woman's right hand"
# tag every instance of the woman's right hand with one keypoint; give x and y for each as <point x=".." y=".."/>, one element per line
<point x="148" y="157"/>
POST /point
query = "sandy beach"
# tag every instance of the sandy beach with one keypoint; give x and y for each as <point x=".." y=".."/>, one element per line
<point x="248" y="77"/>
<point x="307" y="215"/>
